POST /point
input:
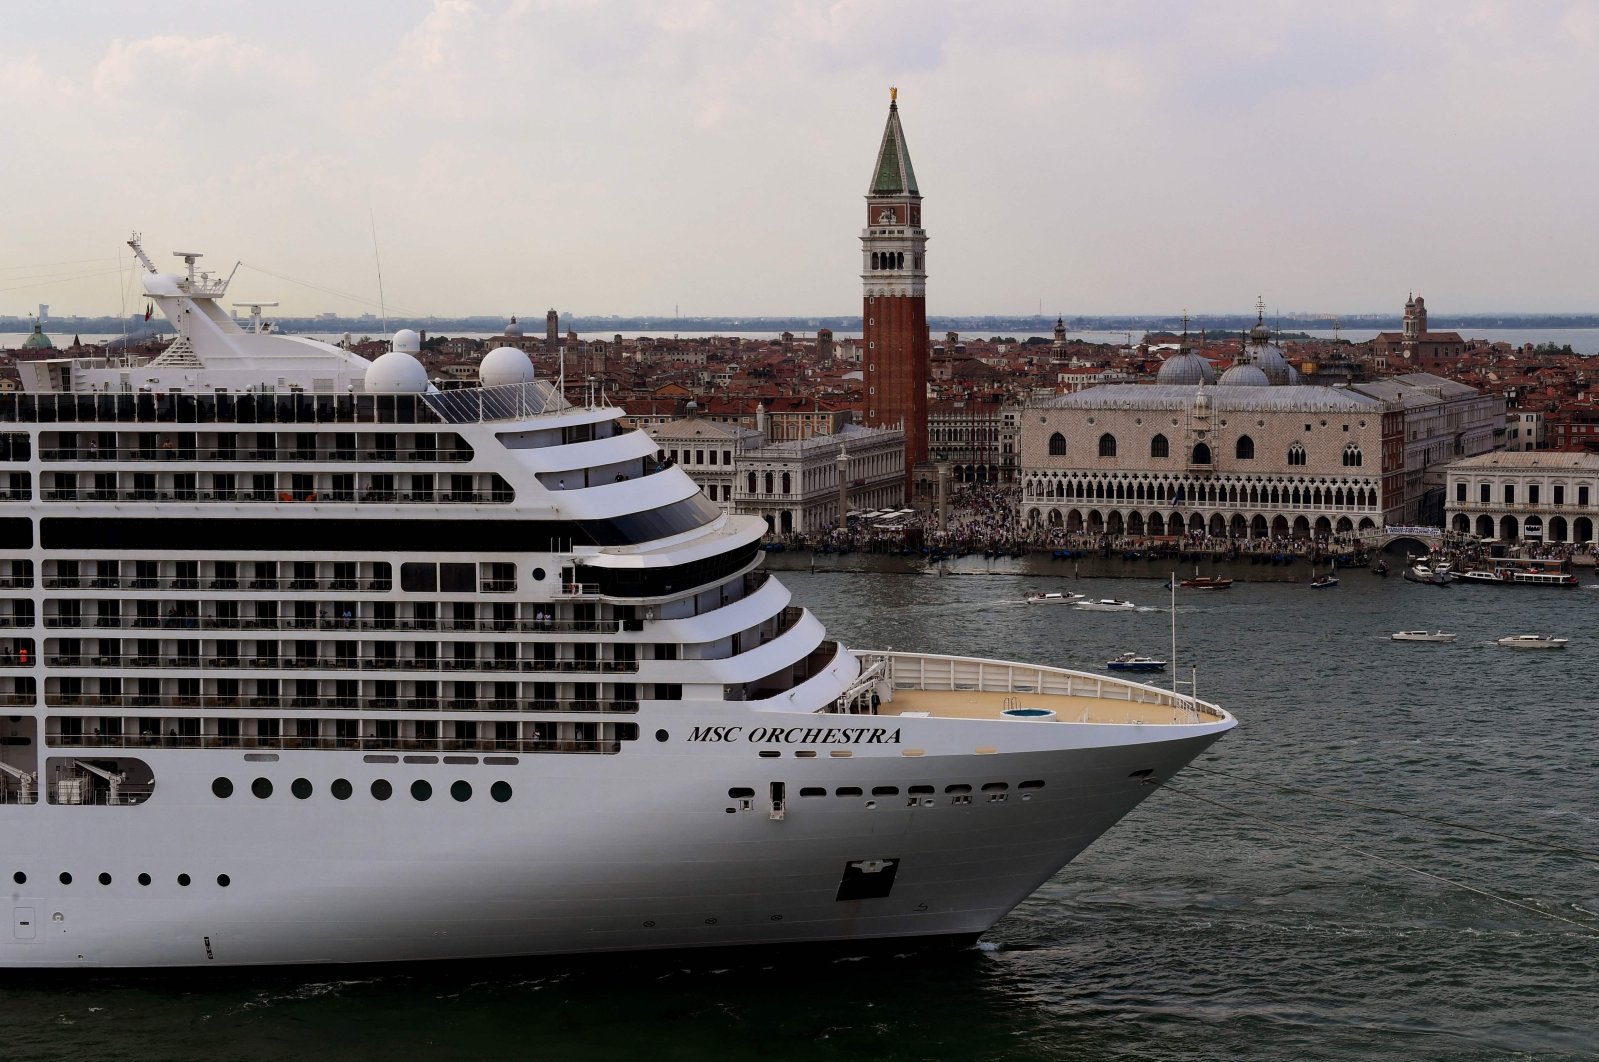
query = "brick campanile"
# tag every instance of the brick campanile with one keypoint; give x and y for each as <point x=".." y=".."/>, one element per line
<point x="894" y="312"/>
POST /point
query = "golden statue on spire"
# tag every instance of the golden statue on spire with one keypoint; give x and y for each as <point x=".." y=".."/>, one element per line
<point x="893" y="94"/>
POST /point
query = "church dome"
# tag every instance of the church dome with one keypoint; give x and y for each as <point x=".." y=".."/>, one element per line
<point x="38" y="340"/>
<point x="1186" y="368"/>
<point x="1270" y="360"/>
<point x="396" y="373"/>
<point x="513" y="330"/>
<point x="1244" y="374"/>
<point x="505" y="365"/>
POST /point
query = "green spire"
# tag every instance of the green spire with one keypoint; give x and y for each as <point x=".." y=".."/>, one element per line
<point x="893" y="174"/>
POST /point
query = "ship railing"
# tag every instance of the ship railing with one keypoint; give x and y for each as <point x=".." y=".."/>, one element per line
<point x="370" y="497"/>
<point x="339" y="663"/>
<point x="578" y="590"/>
<point x="375" y="455"/>
<point x="589" y="706"/>
<point x="933" y="672"/>
<point x="296" y="623"/>
<point x="604" y="746"/>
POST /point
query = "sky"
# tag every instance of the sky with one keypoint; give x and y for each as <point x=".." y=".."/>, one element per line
<point x="710" y="157"/>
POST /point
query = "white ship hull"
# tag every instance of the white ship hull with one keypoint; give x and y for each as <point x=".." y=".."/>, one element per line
<point x="597" y="855"/>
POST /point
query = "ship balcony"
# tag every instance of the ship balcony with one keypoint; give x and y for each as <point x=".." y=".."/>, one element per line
<point x="356" y="744"/>
<point x="562" y="705"/>
<point x="319" y="455"/>
<point x="295" y="623"/>
<point x="339" y="664"/>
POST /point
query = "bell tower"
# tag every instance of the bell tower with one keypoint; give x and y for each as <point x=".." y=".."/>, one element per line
<point x="894" y="312"/>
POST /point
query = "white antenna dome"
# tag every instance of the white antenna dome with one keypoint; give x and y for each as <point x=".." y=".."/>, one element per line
<point x="396" y="373"/>
<point x="407" y="341"/>
<point x="505" y="365"/>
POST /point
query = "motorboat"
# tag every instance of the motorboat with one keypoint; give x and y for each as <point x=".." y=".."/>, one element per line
<point x="1105" y="604"/>
<point x="1135" y="662"/>
<point x="1424" y="636"/>
<point x="1052" y="597"/>
<point x="1324" y="582"/>
<point x="1532" y="641"/>
<point x="1420" y="573"/>
<point x="1205" y="582"/>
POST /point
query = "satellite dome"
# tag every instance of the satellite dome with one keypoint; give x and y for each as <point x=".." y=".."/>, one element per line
<point x="1186" y="368"/>
<point x="396" y="373"/>
<point x="407" y="341"/>
<point x="1245" y="374"/>
<point x="513" y="330"/>
<point x="504" y="365"/>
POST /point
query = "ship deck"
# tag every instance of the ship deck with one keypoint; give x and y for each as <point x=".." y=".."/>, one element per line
<point x="1068" y="708"/>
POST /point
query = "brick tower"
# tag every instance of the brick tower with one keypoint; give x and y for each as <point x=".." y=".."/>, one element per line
<point x="894" y="314"/>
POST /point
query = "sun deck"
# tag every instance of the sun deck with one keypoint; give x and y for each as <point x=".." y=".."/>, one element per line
<point x="968" y="688"/>
<point x="1068" y="708"/>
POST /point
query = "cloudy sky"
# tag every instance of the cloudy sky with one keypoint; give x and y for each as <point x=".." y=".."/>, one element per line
<point x="711" y="155"/>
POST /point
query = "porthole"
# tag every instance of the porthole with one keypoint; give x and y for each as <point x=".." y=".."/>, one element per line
<point x="261" y="787"/>
<point x="341" y="789"/>
<point x="420" y="790"/>
<point x="183" y="880"/>
<point x="661" y="735"/>
<point x="66" y="879"/>
<point x="847" y="791"/>
<point x="539" y="574"/>
<point x="381" y="789"/>
<point x="500" y="791"/>
<point x="20" y="878"/>
<point x="461" y="790"/>
<point x="222" y="788"/>
<point x="301" y="788"/>
<point x="813" y="791"/>
<point x="105" y="879"/>
<point x="740" y="792"/>
<point x="144" y="879"/>
<point x="224" y="881"/>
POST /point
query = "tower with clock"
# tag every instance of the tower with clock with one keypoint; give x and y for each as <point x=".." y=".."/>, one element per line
<point x="894" y="311"/>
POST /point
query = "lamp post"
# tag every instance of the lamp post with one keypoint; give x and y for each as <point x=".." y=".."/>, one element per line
<point x="943" y="492"/>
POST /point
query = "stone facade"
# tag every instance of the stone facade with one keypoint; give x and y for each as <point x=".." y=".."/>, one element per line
<point x="1538" y="497"/>
<point x="1232" y="461"/>
<point x="795" y="486"/>
<point x="1444" y="421"/>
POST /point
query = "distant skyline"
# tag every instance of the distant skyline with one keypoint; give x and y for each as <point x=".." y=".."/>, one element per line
<point x="1077" y="158"/>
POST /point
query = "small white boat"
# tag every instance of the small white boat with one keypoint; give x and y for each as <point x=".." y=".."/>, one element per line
<point x="1052" y="597"/>
<point x="1324" y="582"/>
<point x="1424" y="636"/>
<point x="1532" y="641"/>
<point x="1135" y="662"/>
<point x="1105" y="604"/>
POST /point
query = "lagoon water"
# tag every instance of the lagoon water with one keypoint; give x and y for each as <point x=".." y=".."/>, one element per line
<point x="1223" y="919"/>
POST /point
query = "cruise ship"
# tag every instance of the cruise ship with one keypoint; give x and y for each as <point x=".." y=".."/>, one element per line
<point x="308" y="661"/>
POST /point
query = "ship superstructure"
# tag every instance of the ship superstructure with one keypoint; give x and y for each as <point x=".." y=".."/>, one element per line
<point x="309" y="661"/>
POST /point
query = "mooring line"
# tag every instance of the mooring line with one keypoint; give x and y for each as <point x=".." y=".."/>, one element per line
<point x="1580" y="853"/>
<point x="1584" y="926"/>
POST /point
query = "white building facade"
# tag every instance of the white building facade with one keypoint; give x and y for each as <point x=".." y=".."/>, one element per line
<point x="802" y="486"/>
<point x="1444" y="422"/>
<point x="1541" y="496"/>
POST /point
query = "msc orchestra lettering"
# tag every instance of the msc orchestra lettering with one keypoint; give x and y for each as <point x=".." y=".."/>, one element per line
<point x="795" y="735"/>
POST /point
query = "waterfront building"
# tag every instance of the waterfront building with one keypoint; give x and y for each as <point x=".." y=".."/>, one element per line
<point x="1247" y="457"/>
<point x="1533" y="497"/>
<point x="894" y="314"/>
<point x="801" y="485"/>
<point x="708" y="451"/>
<point x="1414" y="345"/>
<point x="976" y="436"/>
<point x="1444" y="421"/>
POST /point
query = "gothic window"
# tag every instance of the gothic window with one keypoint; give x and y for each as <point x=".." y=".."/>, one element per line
<point x="1057" y="445"/>
<point x="1159" y="447"/>
<point x="1352" y="458"/>
<point x="1296" y="454"/>
<point x="1201" y="454"/>
<point x="1107" y="445"/>
<point x="1245" y="450"/>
